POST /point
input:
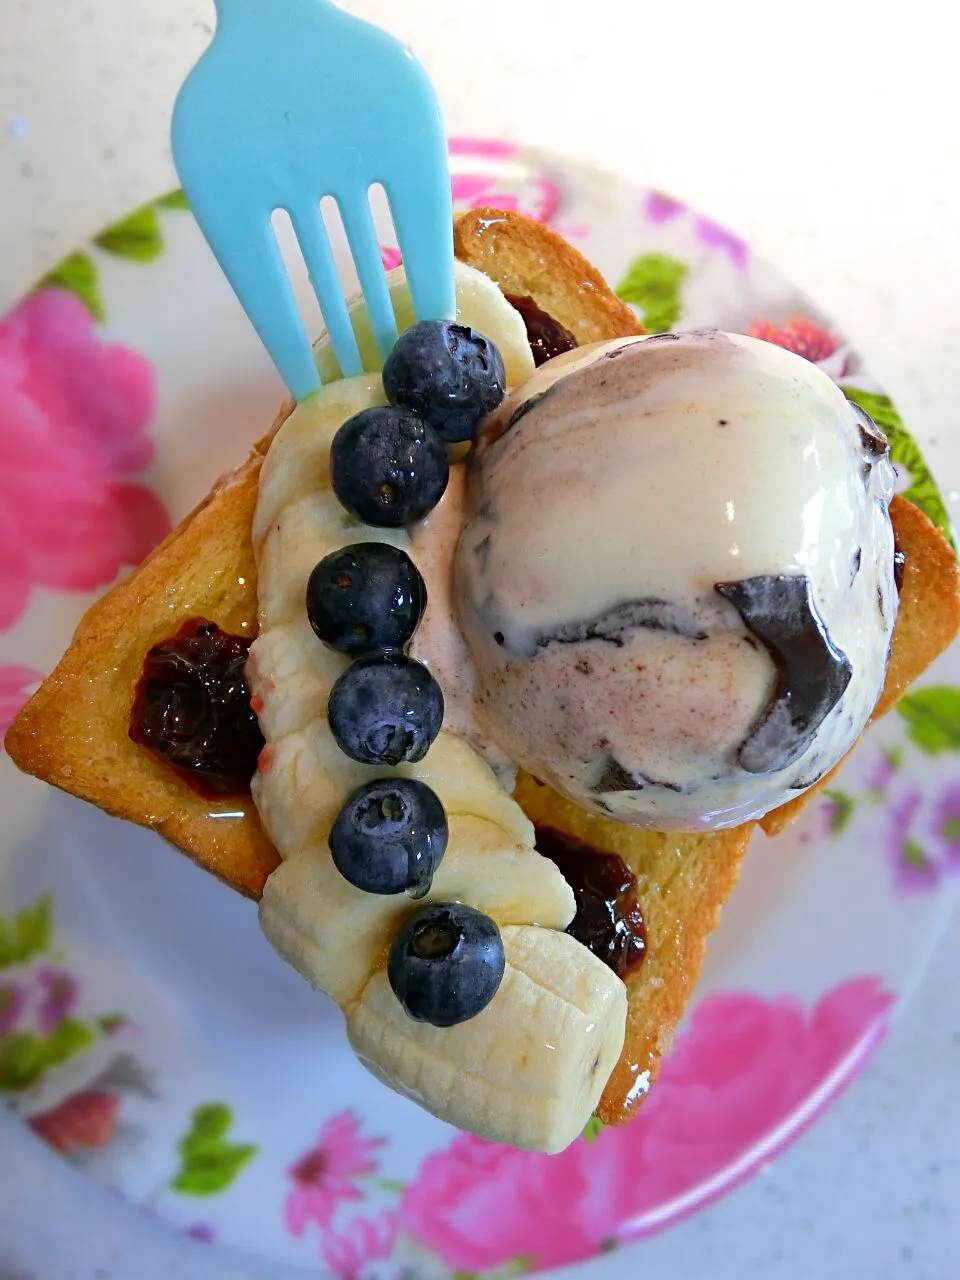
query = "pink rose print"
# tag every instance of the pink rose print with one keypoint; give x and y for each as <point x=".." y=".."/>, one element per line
<point x="75" y="412"/>
<point x="324" y="1176"/>
<point x="87" y="1119"/>
<point x="537" y="198"/>
<point x="746" y="1076"/>
<point x="487" y="148"/>
<point x="364" y="1240"/>
<point x="801" y="336"/>
<point x="59" y="992"/>
<point x="16" y="683"/>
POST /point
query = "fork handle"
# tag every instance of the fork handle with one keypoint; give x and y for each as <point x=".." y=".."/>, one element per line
<point x="289" y="11"/>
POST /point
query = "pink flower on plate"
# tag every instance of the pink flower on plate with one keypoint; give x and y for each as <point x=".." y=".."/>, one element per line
<point x="746" y="1076"/>
<point x="324" y="1176"/>
<point x="59" y="992"/>
<point x="801" y="336"/>
<point x="13" y="1001"/>
<point x="914" y="871"/>
<point x="659" y="209"/>
<point x="364" y="1240"/>
<point x="945" y="825"/>
<point x="87" y="1119"/>
<point x="16" y="682"/>
<point x="537" y="198"/>
<point x="75" y="412"/>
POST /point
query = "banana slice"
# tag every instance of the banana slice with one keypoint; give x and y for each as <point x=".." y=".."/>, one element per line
<point x="336" y="935"/>
<point x="305" y="531"/>
<point x="298" y="460"/>
<point x="290" y="674"/>
<point x="480" y="304"/>
<point x="529" y="1070"/>
<point x="304" y="779"/>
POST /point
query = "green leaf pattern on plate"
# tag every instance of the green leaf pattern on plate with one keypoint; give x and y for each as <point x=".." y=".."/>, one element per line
<point x="172" y="200"/>
<point x="26" y="935"/>
<point x="923" y="490"/>
<point x="209" y="1163"/>
<point x="652" y="284"/>
<point x="77" y="273"/>
<point x="933" y="718"/>
<point x="25" y="1056"/>
<point x="843" y="810"/>
<point x="137" y="237"/>
<point x="592" y="1129"/>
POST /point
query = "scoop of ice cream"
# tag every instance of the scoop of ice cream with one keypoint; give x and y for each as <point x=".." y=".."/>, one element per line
<point x="676" y="576"/>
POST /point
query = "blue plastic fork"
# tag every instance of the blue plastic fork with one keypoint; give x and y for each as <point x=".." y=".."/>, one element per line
<point x="294" y="101"/>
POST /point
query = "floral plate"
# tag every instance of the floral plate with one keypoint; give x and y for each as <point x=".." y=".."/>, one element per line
<point x="147" y="1031"/>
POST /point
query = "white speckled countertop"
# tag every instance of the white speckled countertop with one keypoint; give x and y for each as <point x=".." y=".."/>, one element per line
<point x="827" y="134"/>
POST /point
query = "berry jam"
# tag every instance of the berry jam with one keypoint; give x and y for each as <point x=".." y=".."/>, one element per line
<point x="608" y="920"/>
<point x="546" y="336"/>
<point x="192" y="708"/>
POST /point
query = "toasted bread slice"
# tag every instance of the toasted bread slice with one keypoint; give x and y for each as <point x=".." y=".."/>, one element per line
<point x="928" y="621"/>
<point x="73" y="732"/>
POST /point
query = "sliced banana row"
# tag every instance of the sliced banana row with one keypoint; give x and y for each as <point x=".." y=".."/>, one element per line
<point x="530" y="1068"/>
<point x="309" y="910"/>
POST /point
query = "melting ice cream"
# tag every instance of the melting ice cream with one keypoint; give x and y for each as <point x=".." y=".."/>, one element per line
<point x="676" y="577"/>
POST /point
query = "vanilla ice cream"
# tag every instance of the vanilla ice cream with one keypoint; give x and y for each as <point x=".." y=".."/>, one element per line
<point x="676" y="577"/>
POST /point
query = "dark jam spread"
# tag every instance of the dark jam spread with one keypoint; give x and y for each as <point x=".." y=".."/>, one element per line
<point x="608" y="920"/>
<point x="547" y="338"/>
<point x="192" y="708"/>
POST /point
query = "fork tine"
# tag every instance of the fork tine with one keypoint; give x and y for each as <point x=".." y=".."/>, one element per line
<point x="255" y="268"/>
<point x="358" y="224"/>
<point x="317" y="254"/>
<point x="423" y="218"/>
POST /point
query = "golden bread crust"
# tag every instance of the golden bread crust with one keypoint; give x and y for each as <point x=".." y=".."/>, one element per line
<point x="527" y="259"/>
<point x="73" y="732"/>
<point x="928" y="620"/>
<point x="682" y="883"/>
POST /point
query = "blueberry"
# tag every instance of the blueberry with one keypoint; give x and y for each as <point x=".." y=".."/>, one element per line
<point x="388" y="467"/>
<point x="446" y="963"/>
<point x="448" y="375"/>
<point x="366" y="598"/>
<point x="390" y="837"/>
<point x="385" y="710"/>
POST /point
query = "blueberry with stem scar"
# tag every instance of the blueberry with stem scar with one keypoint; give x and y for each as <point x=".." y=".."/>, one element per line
<point x="447" y="374"/>
<point x="385" y="710"/>
<point x="366" y="598"/>
<point x="390" y="837"/>
<point x="446" y="964"/>
<point x="388" y="467"/>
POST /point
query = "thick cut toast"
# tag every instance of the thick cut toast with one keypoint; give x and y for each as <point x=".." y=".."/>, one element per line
<point x="73" y="732"/>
